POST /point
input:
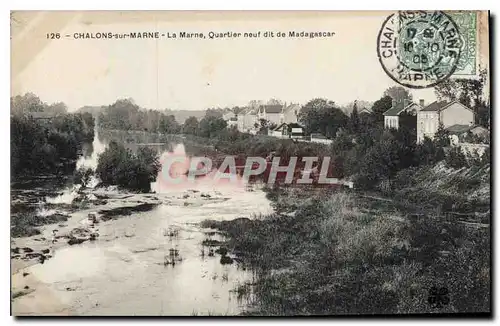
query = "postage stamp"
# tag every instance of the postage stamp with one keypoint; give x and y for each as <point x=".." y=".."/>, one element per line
<point x="467" y="26"/>
<point x="421" y="49"/>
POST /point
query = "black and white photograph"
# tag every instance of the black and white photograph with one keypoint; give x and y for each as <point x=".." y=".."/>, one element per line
<point x="250" y="163"/>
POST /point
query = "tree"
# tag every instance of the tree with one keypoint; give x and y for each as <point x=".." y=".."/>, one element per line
<point x="442" y="136"/>
<point x="382" y="161"/>
<point x="57" y="108"/>
<point x="211" y="125"/>
<point x="323" y="116"/>
<point x="216" y="113"/>
<point x="123" y="114"/>
<point x="119" y="166"/>
<point x="264" y="125"/>
<point x="455" y="158"/>
<point x="428" y="152"/>
<point x="469" y="92"/>
<point x="168" y="125"/>
<point x="254" y="104"/>
<point x="190" y="126"/>
<point x="46" y="146"/>
<point x="382" y="105"/>
<point x="354" y="120"/>
<point x="398" y="93"/>
<point x="28" y="102"/>
<point x="273" y="101"/>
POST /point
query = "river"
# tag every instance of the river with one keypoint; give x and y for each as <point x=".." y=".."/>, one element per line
<point x="123" y="272"/>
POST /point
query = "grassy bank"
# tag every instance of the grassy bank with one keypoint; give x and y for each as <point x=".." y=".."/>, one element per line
<point x="337" y="253"/>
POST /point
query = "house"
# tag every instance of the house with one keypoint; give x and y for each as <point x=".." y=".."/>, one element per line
<point x="272" y="113"/>
<point x="366" y="111"/>
<point x="402" y="112"/>
<point x="446" y="113"/>
<point x="232" y="122"/>
<point x="228" y="115"/>
<point x="247" y="119"/>
<point x="467" y="134"/>
<point x="291" y="113"/>
<point x="288" y="130"/>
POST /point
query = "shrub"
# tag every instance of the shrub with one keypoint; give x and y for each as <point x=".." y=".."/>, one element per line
<point x="119" y="166"/>
<point x="455" y="158"/>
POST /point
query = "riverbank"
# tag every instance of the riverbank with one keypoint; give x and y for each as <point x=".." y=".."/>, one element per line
<point x="346" y="253"/>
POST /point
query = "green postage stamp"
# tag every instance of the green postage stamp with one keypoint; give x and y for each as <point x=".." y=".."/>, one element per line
<point x="420" y="49"/>
<point x="467" y="25"/>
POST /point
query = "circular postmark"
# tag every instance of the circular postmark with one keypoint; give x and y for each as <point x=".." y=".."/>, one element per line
<point x="419" y="49"/>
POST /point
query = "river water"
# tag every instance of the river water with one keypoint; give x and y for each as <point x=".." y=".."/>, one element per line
<point x="124" y="271"/>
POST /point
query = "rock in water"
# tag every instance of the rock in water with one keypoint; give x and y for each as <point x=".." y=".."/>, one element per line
<point x="74" y="241"/>
<point x="226" y="260"/>
<point x="222" y="251"/>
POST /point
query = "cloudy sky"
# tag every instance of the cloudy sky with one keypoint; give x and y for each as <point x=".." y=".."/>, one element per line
<point x="196" y="74"/>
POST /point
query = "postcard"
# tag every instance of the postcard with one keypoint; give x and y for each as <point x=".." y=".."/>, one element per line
<point x="250" y="163"/>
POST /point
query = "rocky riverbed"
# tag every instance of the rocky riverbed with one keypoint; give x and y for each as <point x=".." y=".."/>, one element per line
<point x="151" y="245"/>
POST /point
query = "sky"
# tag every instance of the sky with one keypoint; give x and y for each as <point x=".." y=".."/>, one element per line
<point x="194" y="74"/>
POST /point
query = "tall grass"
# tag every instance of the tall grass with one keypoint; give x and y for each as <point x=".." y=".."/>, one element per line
<point x="334" y="256"/>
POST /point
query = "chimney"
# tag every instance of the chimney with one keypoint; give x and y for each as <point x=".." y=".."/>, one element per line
<point x="393" y="102"/>
<point x="422" y="102"/>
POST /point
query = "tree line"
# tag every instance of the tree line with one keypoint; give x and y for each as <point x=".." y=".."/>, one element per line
<point x="46" y="146"/>
<point x="124" y="114"/>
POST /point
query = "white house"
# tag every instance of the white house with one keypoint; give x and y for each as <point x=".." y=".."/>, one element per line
<point x="288" y="130"/>
<point x="272" y="113"/>
<point x="247" y="120"/>
<point x="291" y="113"/>
<point x="228" y="115"/>
<point x="445" y="113"/>
<point x="393" y="115"/>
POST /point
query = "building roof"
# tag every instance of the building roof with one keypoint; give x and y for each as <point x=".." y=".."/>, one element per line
<point x="458" y="129"/>
<point x="366" y="110"/>
<point x="276" y="108"/>
<point x="398" y="108"/>
<point x="294" y="125"/>
<point x="436" y="106"/>
<point x="249" y="110"/>
<point x="479" y="129"/>
<point x="288" y="125"/>
<point x="442" y="105"/>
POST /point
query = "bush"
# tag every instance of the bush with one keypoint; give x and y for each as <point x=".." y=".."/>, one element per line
<point x="428" y="152"/>
<point x="38" y="146"/>
<point x="455" y="158"/>
<point x="82" y="176"/>
<point x="119" y="166"/>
